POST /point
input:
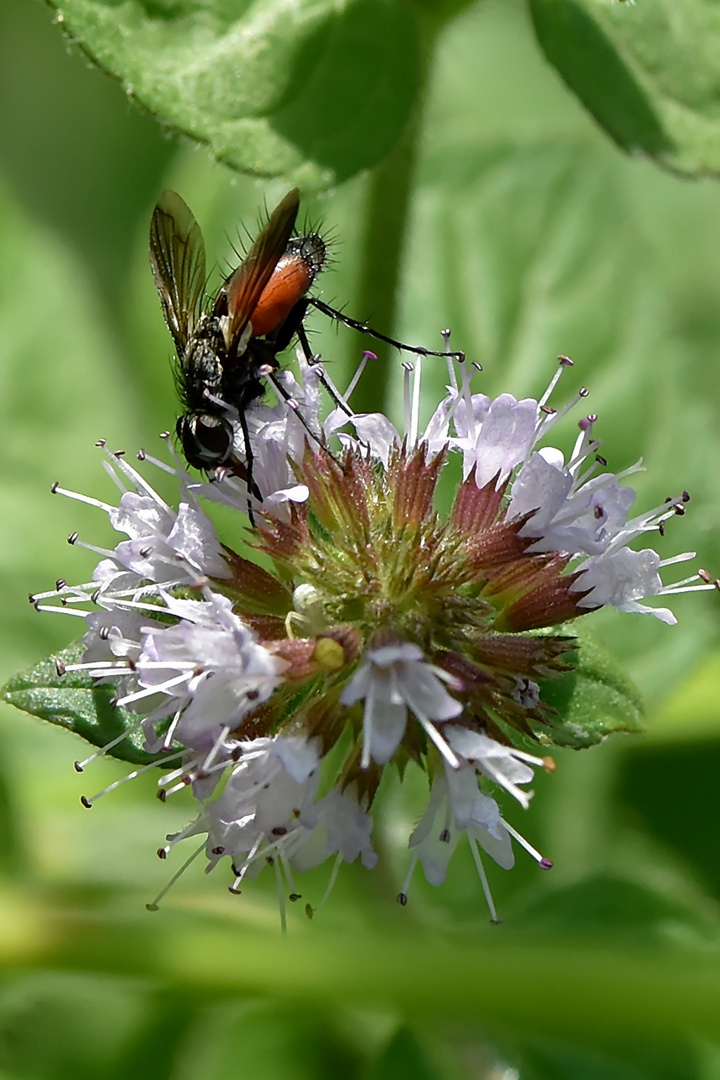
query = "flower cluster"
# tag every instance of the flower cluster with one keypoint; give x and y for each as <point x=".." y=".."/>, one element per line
<point x="367" y="629"/>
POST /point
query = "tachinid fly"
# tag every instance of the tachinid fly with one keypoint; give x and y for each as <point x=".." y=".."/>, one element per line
<point x="224" y="354"/>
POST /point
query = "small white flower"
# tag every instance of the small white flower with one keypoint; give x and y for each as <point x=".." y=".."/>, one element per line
<point x="496" y="436"/>
<point x="457" y="806"/>
<point x="503" y="764"/>
<point x="392" y="679"/>
<point x="210" y="666"/>
<point x="567" y="515"/>
<point x="266" y="800"/>
<point x="622" y="578"/>
<point x="342" y="827"/>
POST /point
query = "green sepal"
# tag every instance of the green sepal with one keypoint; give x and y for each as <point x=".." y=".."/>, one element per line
<point x="74" y="702"/>
<point x="595" y="699"/>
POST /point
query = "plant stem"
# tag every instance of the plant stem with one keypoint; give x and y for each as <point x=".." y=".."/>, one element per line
<point x="387" y="214"/>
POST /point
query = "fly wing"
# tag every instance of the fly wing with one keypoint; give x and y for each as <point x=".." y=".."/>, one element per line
<point x="177" y="258"/>
<point x="245" y="286"/>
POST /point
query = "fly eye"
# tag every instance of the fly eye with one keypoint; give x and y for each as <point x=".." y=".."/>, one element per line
<point x="207" y="440"/>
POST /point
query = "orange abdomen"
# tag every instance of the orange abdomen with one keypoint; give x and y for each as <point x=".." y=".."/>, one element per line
<point x="291" y="279"/>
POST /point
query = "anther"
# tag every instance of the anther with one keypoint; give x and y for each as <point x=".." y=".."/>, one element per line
<point x="118" y="453"/>
<point x="86" y="802"/>
<point x="102" y="443"/>
<point x="565" y="361"/>
<point x="77" y="766"/>
<point x="104" y="633"/>
<point x="141" y="455"/>
<point x="162" y="853"/>
<point x="113" y="702"/>
<point x="60" y="584"/>
<point x="402" y="899"/>
<point x="445" y="836"/>
<point x="545" y="864"/>
<point x="583" y="392"/>
<point x="164" y="434"/>
<point x="368" y="354"/>
<point x="601" y="460"/>
<point x="54" y="486"/>
<point x="476" y="366"/>
<point x="309" y="910"/>
<point x="60" y="666"/>
<point x="72" y="538"/>
<point x="294" y="897"/>
<point x="279" y="830"/>
<point x="704" y="576"/>
<point x="217" y="851"/>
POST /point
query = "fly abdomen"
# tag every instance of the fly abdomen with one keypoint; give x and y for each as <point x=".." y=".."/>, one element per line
<point x="203" y="362"/>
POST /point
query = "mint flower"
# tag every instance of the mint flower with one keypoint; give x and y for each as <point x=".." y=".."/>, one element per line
<point x="371" y="631"/>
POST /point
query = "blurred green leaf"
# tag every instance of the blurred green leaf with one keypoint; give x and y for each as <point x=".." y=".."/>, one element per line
<point x="53" y="1026"/>
<point x="404" y="1058"/>
<point x="63" y="387"/>
<point x="552" y="988"/>
<point x="672" y="791"/>
<point x="72" y="701"/>
<point x="648" y="73"/>
<point x="274" y="1041"/>
<point x="693" y="710"/>
<point x="544" y="1059"/>
<point x="532" y="251"/>
<point x="314" y="91"/>
<point x="604" y="908"/>
<point x="595" y="699"/>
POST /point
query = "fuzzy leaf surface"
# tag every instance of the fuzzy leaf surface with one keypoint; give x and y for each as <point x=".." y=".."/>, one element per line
<point x="595" y="699"/>
<point x="74" y="702"/>
<point x="648" y="74"/>
<point x="312" y="90"/>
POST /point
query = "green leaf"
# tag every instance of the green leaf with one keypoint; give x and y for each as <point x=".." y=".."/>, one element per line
<point x="313" y="91"/>
<point x="595" y="699"/>
<point x="648" y="73"/>
<point x="72" y="701"/>
<point x="691" y="712"/>
<point x="404" y="1058"/>
<point x="56" y="402"/>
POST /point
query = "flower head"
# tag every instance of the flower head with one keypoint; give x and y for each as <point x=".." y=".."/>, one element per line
<point x="368" y="630"/>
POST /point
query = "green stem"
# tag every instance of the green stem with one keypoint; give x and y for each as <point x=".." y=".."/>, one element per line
<point x="387" y="213"/>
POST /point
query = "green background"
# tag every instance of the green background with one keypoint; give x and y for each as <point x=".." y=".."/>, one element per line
<point x="531" y="233"/>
